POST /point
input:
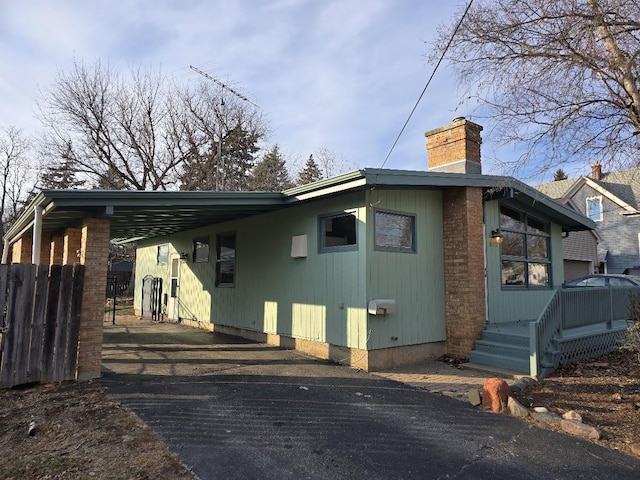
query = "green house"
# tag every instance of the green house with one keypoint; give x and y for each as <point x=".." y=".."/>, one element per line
<point x="373" y="268"/>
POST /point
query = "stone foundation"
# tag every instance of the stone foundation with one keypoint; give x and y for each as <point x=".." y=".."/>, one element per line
<point x="368" y="360"/>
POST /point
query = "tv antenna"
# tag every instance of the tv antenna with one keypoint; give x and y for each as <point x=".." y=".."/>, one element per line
<point x="220" y="162"/>
<point x="223" y="85"/>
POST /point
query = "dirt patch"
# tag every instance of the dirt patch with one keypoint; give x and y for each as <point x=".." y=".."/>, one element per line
<point x="79" y="433"/>
<point x="605" y="391"/>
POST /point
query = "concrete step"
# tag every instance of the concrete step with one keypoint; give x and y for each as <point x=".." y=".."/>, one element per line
<point x="516" y="352"/>
<point x="517" y="365"/>
<point x="508" y="338"/>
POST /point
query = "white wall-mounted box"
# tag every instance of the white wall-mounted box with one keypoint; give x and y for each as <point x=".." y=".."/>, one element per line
<point x="383" y="306"/>
<point x="299" y="246"/>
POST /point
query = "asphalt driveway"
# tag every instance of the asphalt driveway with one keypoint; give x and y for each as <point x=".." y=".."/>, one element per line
<point x="234" y="409"/>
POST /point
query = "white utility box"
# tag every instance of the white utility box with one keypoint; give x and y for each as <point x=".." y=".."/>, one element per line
<point x="382" y="306"/>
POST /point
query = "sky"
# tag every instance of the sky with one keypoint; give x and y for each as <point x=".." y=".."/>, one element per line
<point x="342" y="75"/>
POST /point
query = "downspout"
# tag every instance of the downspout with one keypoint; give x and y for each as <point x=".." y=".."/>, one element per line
<point x="5" y="252"/>
<point x="486" y="267"/>
<point x="37" y="235"/>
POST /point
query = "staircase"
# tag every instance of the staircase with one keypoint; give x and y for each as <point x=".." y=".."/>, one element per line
<point x="504" y="346"/>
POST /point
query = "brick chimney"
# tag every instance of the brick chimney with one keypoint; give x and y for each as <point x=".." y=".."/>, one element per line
<point x="455" y="148"/>
<point x="596" y="171"/>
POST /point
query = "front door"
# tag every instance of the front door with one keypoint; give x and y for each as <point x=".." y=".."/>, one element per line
<point x="173" y="302"/>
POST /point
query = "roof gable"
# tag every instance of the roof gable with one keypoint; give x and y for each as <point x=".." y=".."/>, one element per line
<point x="604" y="189"/>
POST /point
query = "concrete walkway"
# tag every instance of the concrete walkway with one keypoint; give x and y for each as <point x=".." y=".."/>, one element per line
<point x="190" y="354"/>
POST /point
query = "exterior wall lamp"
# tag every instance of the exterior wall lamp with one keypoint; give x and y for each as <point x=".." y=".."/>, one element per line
<point x="496" y="237"/>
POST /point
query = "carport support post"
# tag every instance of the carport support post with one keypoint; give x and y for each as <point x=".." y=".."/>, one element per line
<point x="94" y="255"/>
<point x="72" y="243"/>
<point x="22" y="250"/>
<point x="56" y="250"/>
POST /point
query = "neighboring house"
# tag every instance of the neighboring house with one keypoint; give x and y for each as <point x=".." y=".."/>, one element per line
<point x="373" y="268"/>
<point x="612" y="201"/>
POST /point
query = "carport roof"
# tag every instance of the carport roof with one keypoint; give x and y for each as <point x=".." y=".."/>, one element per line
<point x="144" y="214"/>
<point x="141" y="214"/>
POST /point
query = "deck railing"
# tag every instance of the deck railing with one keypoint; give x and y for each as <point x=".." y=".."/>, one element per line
<point x="572" y="308"/>
<point x="542" y="332"/>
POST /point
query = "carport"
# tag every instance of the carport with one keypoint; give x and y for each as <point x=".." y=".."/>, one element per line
<point x="70" y="227"/>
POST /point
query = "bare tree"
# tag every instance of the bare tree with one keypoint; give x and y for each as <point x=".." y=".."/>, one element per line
<point x="220" y="136"/>
<point x="330" y="163"/>
<point x="561" y="78"/>
<point x="142" y="132"/>
<point x="15" y="172"/>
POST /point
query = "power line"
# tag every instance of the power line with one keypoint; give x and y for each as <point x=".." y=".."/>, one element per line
<point x="444" y="52"/>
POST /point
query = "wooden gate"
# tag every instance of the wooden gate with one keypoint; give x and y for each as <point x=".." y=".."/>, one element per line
<point x="40" y="322"/>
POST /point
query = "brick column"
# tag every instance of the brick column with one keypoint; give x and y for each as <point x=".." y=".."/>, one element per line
<point x="56" y="250"/>
<point x="72" y="243"/>
<point x="45" y="249"/>
<point x="464" y="283"/>
<point x="22" y="250"/>
<point x="94" y="256"/>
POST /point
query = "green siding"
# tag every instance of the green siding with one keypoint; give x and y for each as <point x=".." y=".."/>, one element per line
<point x="509" y="305"/>
<point x="414" y="280"/>
<point x="273" y="292"/>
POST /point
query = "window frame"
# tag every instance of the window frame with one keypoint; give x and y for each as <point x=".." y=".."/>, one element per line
<point x="225" y="260"/>
<point x="526" y="233"/>
<point x="390" y="248"/>
<point x="195" y="249"/>
<point x="322" y="248"/>
<point x="160" y="255"/>
<point x="597" y="198"/>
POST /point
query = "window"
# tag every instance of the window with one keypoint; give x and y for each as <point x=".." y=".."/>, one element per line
<point x="201" y="250"/>
<point x="225" y="260"/>
<point x="162" y="255"/>
<point x="594" y="208"/>
<point x="394" y="232"/>
<point x="525" y="249"/>
<point x="338" y="232"/>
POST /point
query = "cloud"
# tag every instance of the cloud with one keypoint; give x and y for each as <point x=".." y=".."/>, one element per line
<point x="340" y="74"/>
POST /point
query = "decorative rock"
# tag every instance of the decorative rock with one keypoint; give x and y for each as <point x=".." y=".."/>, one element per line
<point x="572" y="415"/>
<point x="518" y="386"/>
<point x="635" y="449"/>
<point x="474" y="397"/>
<point x="548" y="418"/>
<point x="495" y="394"/>
<point x="516" y="409"/>
<point x="540" y="409"/>
<point x="580" y="429"/>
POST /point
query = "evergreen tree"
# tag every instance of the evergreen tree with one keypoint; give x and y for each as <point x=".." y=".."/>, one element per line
<point x="61" y="175"/>
<point x="270" y="174"/>
<point x="310" y="173"/>
<point x="559" y="175"/>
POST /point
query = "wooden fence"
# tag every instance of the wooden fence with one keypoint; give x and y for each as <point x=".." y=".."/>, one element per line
<point x="40" y="321"/>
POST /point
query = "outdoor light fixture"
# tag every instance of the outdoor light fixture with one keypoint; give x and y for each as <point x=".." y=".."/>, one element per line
<point x="496" y="237"/>
<point x="184" y="256"/>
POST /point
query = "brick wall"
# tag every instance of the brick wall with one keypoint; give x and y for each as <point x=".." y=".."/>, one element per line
<point x="94" y="255"/>
<point x="464" y="282"/>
